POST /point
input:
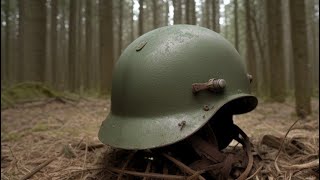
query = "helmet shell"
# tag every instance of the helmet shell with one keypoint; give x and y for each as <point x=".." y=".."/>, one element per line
<point x="152" y="104"/>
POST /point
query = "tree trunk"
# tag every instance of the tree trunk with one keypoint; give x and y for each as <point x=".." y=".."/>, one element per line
<point x="120" y="27"/>
<point x="131" y="22"/>
<point x="300" y="57"/>
<point x="214" y="15"/>
<point x="217" y="16"/>
<point x="227" y="27"/>
<point x="236" y="27"/>
<point x="275" y="42"/>
<point x="106" y="45"/>
<point x="58" y="61"/>
<point x="258" y="21"/>
<point x="187" y="12"/>
<point x="288" y="45"/>
<point x="310" y="17"/>
<point x="177" y="15"/>
<point x="316" y="48"/>
<point x="207" y="14"/>
<point x="140" y="17"/>
<point x="33" y="34"/>
<point x="250" y="50"/>
<point x="167" y="14"/>
<point x="96" y="48"/>
<point x="155" y="14"/>
<point x="193" y="18"/>
<point x="4" y="35"/>
<point x="60" y="65"/>
<point x="90" y="40"/>
<point x="65" y="51"/>
<point x="74" y="67"/>
<point x="82" y="40"/>
<point x="12" y="62"/>
<point x="52" y="66"/>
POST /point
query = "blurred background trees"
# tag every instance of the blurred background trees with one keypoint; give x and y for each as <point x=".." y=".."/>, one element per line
<point x="72" y="45"/>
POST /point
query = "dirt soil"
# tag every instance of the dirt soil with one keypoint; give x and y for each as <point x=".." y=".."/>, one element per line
<point x="34" y="133"/>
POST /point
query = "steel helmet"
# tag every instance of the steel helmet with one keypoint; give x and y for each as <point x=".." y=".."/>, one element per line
<point x="169" y="82"/>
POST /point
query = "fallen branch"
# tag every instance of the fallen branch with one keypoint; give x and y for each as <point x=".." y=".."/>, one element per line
<point x="281" y="146"/>
<point x="41" y="166"/>
<point x="275" y="142"/>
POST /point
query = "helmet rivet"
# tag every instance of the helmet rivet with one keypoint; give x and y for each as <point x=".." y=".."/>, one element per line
<point x="206" y="107"/>
<point x="250" y="77"/>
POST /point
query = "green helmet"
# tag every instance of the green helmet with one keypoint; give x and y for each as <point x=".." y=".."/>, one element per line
<point x="169" y="82"/>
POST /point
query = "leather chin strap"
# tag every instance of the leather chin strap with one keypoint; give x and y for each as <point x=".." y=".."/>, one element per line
<point x="220" y="164"/>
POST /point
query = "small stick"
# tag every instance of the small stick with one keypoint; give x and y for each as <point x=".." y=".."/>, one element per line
<point x="149" y="175"/>
<point x="147" y="169"/>
<point x="12" y="154"/>
<point x="126" y="164"/>
<point x="308" y="165"/>
<point x="277" y="156"/>
<point x="85" y="159"/>
<point x="78" y="145"/>
<point x="165" y="169"/>
<point x="182" y="166"/>
<point x="281" y="146"/>
<point x="37" y="169"/>
<point x="255" y="173"/>
<point x="195" y="175"/>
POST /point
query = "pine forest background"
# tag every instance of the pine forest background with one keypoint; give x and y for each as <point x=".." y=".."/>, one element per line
<point x="72" y="45"/>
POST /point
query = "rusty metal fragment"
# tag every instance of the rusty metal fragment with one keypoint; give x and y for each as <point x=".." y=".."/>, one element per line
<point x="215" y="85"/>
<point x="182" y="124"/>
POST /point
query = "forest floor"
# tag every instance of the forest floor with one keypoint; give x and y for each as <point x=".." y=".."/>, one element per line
<point x="35" y="133"/>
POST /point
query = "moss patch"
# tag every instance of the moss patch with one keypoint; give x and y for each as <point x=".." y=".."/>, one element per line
<point x="30" y="91"/>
